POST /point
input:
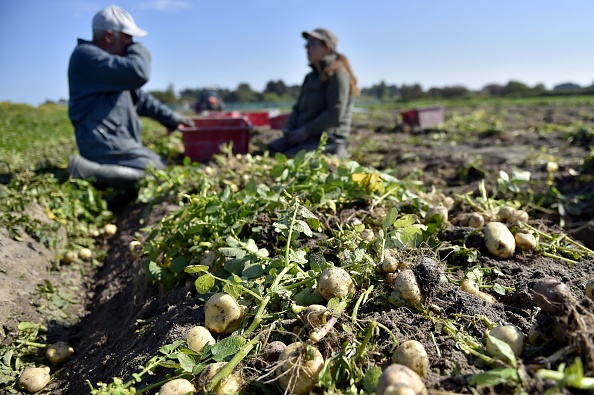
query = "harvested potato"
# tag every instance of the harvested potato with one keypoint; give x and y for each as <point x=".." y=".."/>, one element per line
<point x="507" y="214"/>
<point x="398" y="389"/>
<point x="335" y="282"/>
<point x="475" y="220"/>
<point x="590" y="288"/>
<point x="59" y="352"/>
<point x="407" y="287"/>
<point x="135" y="249"/>
<point x="34" y="379"/>
<point x="367" y="235"/>
<point x="222" y="313"/>
<point x="300" y="366"/>
<point x="412" y="354"/>
<point x="94" y="233"/>
<point x="314" y="315"/>
<point x="552" y="296"/>
<point x="70" y="257"/>
<point x="273" y="350"/>
<point x="521" y="216"/>
<point x="177" y="387"/>
<point x="525" y="241"/>
<point x="471" y="287"/>
<point x="110" y="230"/>
<point x="230" y="384"/>
<point x="85" y="254"/>
<point x="397" y="375"/>
<point x="499" y="240"/>
<point x="510" y="334"/>
<point x="440" y="211"/>
<point x="197" y="337"/>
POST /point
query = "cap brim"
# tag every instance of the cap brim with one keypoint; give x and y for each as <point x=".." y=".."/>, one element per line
<point x="312" y="34"/>
<point x="135" y="32"/>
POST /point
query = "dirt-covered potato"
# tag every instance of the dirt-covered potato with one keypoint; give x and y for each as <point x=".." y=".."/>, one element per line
<point x="177" y="387"/>
<point x="552" y="296"/>
<point x="222" y="313"/>
<point x="398" y="389"/>
<point x="273" y="350"/>
<point x="367" y="235"/>
<point x="590" y="288"/>
<point x="440" y="211"/>
<point x="525" y="241"/>
<point x="135" y="249"/>
<point x="510" y="334"/>
<point x="208" y="258"/>
<point x="335" y="282"/>
<point x="397" y="375"/>
<point x="110" y="230"/>
<point x="231" y="384"/>
<point x="475" y="220"/>
<point x="197" y="337"/>
<point x="499" y="240"/>
<point x="300" y="366"/>
<point x="59" y="352"/>
<point x="507" y="214"/>
<point x="34" y="379"/>
<point x="407" y="287"/>
<point x="70" y="257"/>
<point x="314" y="315"/>
<point x="412" y="354"/>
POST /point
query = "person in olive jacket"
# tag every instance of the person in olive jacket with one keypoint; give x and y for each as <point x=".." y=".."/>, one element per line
<point x="105" y="77"/>
<point x="325" y="100"/>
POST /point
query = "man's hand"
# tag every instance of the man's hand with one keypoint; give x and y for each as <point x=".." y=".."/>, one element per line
<point x="296" y="137"/>
<point x="184" y="121"/>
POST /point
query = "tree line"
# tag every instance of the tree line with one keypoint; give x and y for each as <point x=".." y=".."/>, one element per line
<point x="278" y="91"/>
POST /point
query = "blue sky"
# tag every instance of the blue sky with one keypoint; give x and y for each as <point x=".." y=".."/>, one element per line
<point x="197" y="43"/>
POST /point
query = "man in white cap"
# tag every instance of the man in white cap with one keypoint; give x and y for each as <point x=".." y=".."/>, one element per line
<point x="105" y="76"/>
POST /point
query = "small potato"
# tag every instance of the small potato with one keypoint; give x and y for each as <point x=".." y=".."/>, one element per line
<point x="300" y="366"/>
<point x="85" y="254"/>
<point x="471" y="287"/>
<point x="59" y="352"/>
<point x="231" y="384"/>
<point x="273" y="350"/>
<point x="335" y="282"/>
<point x="367" y="235"/>
<point x="398" y="389"/>
<point x="70" y="257"/>
<point x="412" y="354"/>
<point x="507" y="214"/>
<point x="499" y="240"/>
<point x="521" y="216"/>
<point x="440" y="211"/>
<point x="407" y="287"/>
<point x="400" y="375"/>
<point x="135" y="249"/>
<point x="197" y="337"/>
<point x="510" y="334"/>
<point x="315" y="315"/>
<point x="177" y="387"/>
<point x="208" y="258"/>
<point x="110" y="230"/>
<point x="34" y="379"/>
<point x="590" y="288"/>
<point x="222" y="313"/>
<point x="525" y="241"/>
<point x="391" y="263"/>
<point x="475" y="220"/>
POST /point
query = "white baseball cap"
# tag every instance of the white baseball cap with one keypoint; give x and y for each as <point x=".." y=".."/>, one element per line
<point x="116" y="19"/>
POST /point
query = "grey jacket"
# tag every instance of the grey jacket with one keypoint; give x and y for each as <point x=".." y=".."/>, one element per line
<point x="106" y="100"/>
<point x="324" y="106"/>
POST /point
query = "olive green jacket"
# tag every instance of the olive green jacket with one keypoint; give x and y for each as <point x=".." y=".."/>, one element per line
<point x="324" y="106"/>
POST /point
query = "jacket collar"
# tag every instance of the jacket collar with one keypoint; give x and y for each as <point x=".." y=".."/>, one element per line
<point x="326" y="60"/>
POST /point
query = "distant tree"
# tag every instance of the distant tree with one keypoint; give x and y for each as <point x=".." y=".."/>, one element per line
<point x="411" y="92"/>
<point x="516" y="88"/>
<point x="277" y="87"/>
<point x="448" y="92"/>
<point x="243" y="93"/>
<point x="494" y="90"/>
<point x="567" y="86"/>
<point x="538" y="89"/>
<point x="166" y="96"/>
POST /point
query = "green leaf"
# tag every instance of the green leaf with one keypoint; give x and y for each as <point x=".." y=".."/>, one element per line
<point x="227" y="347"/>
<point x="504" y="349"/>
<point x="186" y="362"/>
<point x="307" y="297"/>
<point x="156" y="271"/>
<point x="494" y="377"/>
<point x="500" y="289"/>
<point x="371" y="378"/>
<point x="301" y="226"/>
<point x="390" y="218"/>
<point x="204" y="283"/>
<point x="196" y="269"/>
<point x="336" y="306"/>
<point x="178" y="264"/>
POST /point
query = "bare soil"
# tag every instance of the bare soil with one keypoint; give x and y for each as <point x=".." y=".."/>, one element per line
<point x="122" y="320"/>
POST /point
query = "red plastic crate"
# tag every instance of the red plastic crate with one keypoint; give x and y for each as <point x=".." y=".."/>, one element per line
<point x="204" y="140"/>
<point x="221" y="114"/>
<point x="257" y="118"/>
<point x="278" y="122"/>
<point x="424" y="117"/>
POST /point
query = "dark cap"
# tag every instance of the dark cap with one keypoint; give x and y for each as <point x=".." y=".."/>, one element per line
<point x="324" y="35"/>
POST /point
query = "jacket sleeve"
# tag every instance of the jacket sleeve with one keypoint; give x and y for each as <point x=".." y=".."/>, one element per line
<point x="291" y="122"/>
<point x="149" y="106"/>
<point x="337" y="101"/>
<point x="116" y="73"/>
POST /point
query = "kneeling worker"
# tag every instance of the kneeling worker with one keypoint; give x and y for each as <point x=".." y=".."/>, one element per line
<point x="105" y="76"/>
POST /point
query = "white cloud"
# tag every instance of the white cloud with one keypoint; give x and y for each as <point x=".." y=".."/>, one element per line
<point x="165" y="5"/>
